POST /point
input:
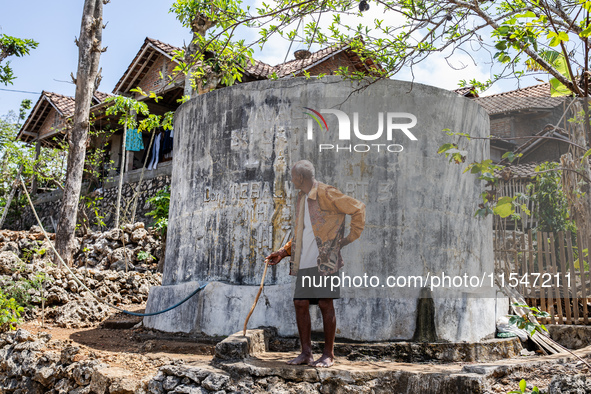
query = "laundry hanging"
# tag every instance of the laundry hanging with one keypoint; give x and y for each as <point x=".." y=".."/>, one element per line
<point x="134" y="141"/>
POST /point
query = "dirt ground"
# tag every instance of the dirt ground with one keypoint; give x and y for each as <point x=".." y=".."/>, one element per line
<point x="130" y="348"/>
<point x="142" y="353"/>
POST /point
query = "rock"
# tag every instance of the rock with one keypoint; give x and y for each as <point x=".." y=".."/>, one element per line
<point x="102" y="245"/>
<point x="577" y="384"/>
<point x="57" y="295"/>
<point x="196" y="374"/>
<point x="82" y="312"/>
<point x="82" y="372"/>
<point x="68" y="353"/>
<point x="139" y="235"/>
<point x="120" y="254"/>
<point x="45" y="376"/>
<point x="114" y="380"/>
<point x="215" y="381"/>
<point x="10" y="247"/>
<point x="155" y="387"/>
<point x="170" y="382"/>
<point x="23" y="336"/>
<point x="184" y="389"/>
<point x="119" y="265"/>
<point x="138" y="225"/>
<point x="9" y="262"/>
<point x="113" y="235"/>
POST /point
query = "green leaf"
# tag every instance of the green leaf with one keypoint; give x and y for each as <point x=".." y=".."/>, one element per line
<point x="504" y="207"/>
<point x="501" y="45"/>
<point x="522" y="385"/>
<point x="586" y="32"/>
<point x="557" y="89"/>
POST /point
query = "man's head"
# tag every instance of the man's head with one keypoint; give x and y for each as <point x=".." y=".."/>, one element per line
<point x="302" y="174"/>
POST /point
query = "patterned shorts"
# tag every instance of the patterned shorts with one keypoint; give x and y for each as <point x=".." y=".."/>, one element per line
<point x="312" y="286"/>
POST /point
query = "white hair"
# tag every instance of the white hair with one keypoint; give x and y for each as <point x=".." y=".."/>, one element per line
<point x="304" y="168"/>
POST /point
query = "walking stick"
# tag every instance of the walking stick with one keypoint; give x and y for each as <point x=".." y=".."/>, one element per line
<point x="257" y="297"/>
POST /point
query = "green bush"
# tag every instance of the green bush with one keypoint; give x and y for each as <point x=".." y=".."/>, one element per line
<point x="161" y="204"/>
<point x="10" y="313"/>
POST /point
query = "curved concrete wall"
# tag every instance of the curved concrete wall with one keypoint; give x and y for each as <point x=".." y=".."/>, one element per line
<point x="231" y="203"/>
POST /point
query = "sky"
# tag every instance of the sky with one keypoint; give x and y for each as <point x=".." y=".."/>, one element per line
<point x="55" y="25"/>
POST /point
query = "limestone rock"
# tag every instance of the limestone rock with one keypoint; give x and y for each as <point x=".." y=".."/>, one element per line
<point x="138" y="235"/>
<point x="578" y="384"/>
<point x="215" y="381"/>
<point x="9" y="262"/>
<point x="114" y="380"/>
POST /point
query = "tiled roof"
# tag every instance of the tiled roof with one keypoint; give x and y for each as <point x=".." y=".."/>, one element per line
<point x="100" y="96"/>
<point x="520" y="171"/>
<point x="48" y="100"/>
<point x="541" y="90"/>
<point x="64" y="104"/>
<point x="164" y="47"/>
<point x="467" y="91"/>
<point x="295" y="66"/>
<point x="259" y="69"/>
<point x="532" y="97"/>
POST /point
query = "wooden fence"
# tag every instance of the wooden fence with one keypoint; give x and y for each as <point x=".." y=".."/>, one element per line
<point x="551" y="271"/>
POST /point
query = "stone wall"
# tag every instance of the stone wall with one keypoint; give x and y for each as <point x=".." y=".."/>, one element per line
<point x="48" y="205"/>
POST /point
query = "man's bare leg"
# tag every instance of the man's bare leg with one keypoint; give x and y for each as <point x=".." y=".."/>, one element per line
<point x="302" y="308"/>
<point x="330" y="328"/>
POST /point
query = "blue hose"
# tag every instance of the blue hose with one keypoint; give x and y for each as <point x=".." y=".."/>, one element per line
<point x="167" y="309"/>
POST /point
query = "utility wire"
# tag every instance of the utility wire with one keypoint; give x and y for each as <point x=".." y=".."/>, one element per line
<point x="19" y="91"/>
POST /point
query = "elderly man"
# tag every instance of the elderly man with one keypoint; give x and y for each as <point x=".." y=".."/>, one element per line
<point x="315" y="252"/>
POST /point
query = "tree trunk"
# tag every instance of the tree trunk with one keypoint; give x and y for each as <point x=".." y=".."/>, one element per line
<point x="89" y="51"/>
<point x="199" y="27"/>
<point x="15" y="186"/>
<point x="121" y="172"/>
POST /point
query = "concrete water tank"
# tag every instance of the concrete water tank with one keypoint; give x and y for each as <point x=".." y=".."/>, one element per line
<point x="231" y="204"/>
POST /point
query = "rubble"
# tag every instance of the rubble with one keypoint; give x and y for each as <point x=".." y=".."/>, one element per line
<point x="25" y="258"/>
<point x="133" y="248"/>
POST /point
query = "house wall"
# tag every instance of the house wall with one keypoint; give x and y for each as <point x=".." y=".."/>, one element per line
<point x="53" y="122"/>
<point x="152" y="81"/>
<point x="548" y="151"/>
<point x="501" y="126"/>
<point x="330" y="65"/>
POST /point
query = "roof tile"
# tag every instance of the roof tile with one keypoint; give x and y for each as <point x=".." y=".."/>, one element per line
<point x="532" y="97"/>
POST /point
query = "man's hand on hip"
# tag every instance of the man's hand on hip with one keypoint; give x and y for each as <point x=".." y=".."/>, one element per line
<point x="344" y="242"/>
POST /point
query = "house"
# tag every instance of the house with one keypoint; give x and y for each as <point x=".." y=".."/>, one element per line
<point x="152" y="71"/>
<point x="529" y="122"/>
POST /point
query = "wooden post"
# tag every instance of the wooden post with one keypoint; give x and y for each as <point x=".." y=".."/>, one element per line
<point x="554" y="282"/>
<point x="37" y="154"/>
<point x="564" y="286"/>
<point x="548" y="270"/>
<point x="573" y="277"/>
<point x="582" y="245"/>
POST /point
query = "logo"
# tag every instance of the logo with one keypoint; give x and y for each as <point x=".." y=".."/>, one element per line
<point x="392" y="122"/>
